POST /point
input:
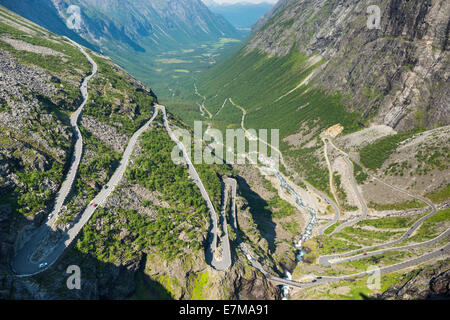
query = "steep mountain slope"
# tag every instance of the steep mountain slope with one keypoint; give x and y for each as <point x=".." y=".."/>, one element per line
<point x="148" y="239"/>
<point x="280" y="5"/>
<point x="398" y="74"/>
<point x="44" y="13"/>
<point x="165" y="39"/>
<point x="157" y="24"/>
<point x="363" y="121"/>
<point x="383" y="196"/>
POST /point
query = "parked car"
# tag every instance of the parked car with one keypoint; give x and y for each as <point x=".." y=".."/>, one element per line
<point x="43" y="265"/>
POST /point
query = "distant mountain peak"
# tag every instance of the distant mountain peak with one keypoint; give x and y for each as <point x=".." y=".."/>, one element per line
<point x="148" y="23"/>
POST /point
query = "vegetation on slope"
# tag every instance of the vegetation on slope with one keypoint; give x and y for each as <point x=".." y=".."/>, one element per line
<point x="117" y="99"/>
<point x="375" y="154"/>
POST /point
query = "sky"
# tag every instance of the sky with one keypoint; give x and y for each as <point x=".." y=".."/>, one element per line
<point x="251" y="1"/>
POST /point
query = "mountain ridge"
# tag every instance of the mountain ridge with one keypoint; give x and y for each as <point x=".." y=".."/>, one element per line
<point x="414" y="37"/>
<point x="152" y="228"/>
<point x="350" y="188"/>
<point x="146" y="22"/>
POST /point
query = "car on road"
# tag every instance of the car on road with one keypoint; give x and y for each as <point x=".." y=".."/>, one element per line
<point x="43" y="265"/>
<point x="365" y="254"/>
<point x="314" y="280"/>
<point x="319" y="277"/>
<point x="94" y="205"/>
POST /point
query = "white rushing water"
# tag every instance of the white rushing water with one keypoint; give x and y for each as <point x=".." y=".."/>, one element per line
<point x="306" y="235"/>
<point x="285" y="289"/>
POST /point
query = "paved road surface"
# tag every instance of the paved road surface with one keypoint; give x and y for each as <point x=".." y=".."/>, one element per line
<point x="360" y="198"/>
<point x="202" y="106"/>
<point x="441" y="252"/>
<point x="441" y="237"/>
<point x="257" y="265"/>
<point x="321" y="195"/>
<point x="322" y="229"/>
<point x="392" y="268"/>
<point x="225" y="262"/>
<point x="23" y="264"/>
<point x="444" y="251"/>
<point x="234" y="224"/>
<point x="78" y="149"/>
<point x="18" y="265"/>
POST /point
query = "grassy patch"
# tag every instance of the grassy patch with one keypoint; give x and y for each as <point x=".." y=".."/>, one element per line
<point x="360" y="175"/>
<point x="331" y="228"/>
<point x="375" y="154"/>
<point x="440" y="195"/>
<point x="327" y="245"/>
<point x="291" y="226"/>
<point x="389" y="223"/>
<point x="414" y="204"/>
<point x="429" y="230"/>
<point x="200" y="284"/>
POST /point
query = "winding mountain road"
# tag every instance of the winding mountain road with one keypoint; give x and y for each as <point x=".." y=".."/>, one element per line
<point x="360" y="198"/>
<point x="225" y="261"/>
<point x="327" y="260"/>
<point x="443" y="251"/>
<point x="442" y="236"/>
<point x="322" y="229"/>
<point x="330" y="259"/>
<point x="67" y="185"/>
<point x="23" y="264"/>
<point x="320" y="194"/>
<point x="202" y="105"/>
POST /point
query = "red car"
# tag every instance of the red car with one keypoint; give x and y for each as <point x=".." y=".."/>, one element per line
<point x="94" y="205"/>
<point x="365" y="253"/>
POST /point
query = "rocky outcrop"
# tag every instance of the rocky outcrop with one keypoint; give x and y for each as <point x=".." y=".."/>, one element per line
<point x="431" y="282"/>
<point x="256" y="288"/>
<point x="105" y="133"/>
<point x="396" y="75"/>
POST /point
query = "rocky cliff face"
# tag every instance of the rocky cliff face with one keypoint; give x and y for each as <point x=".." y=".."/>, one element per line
<point x="396" y="75"/>
<point x="430" y="282"/>
<point x="44" y="13"/>
<point x="241" y="15"/>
